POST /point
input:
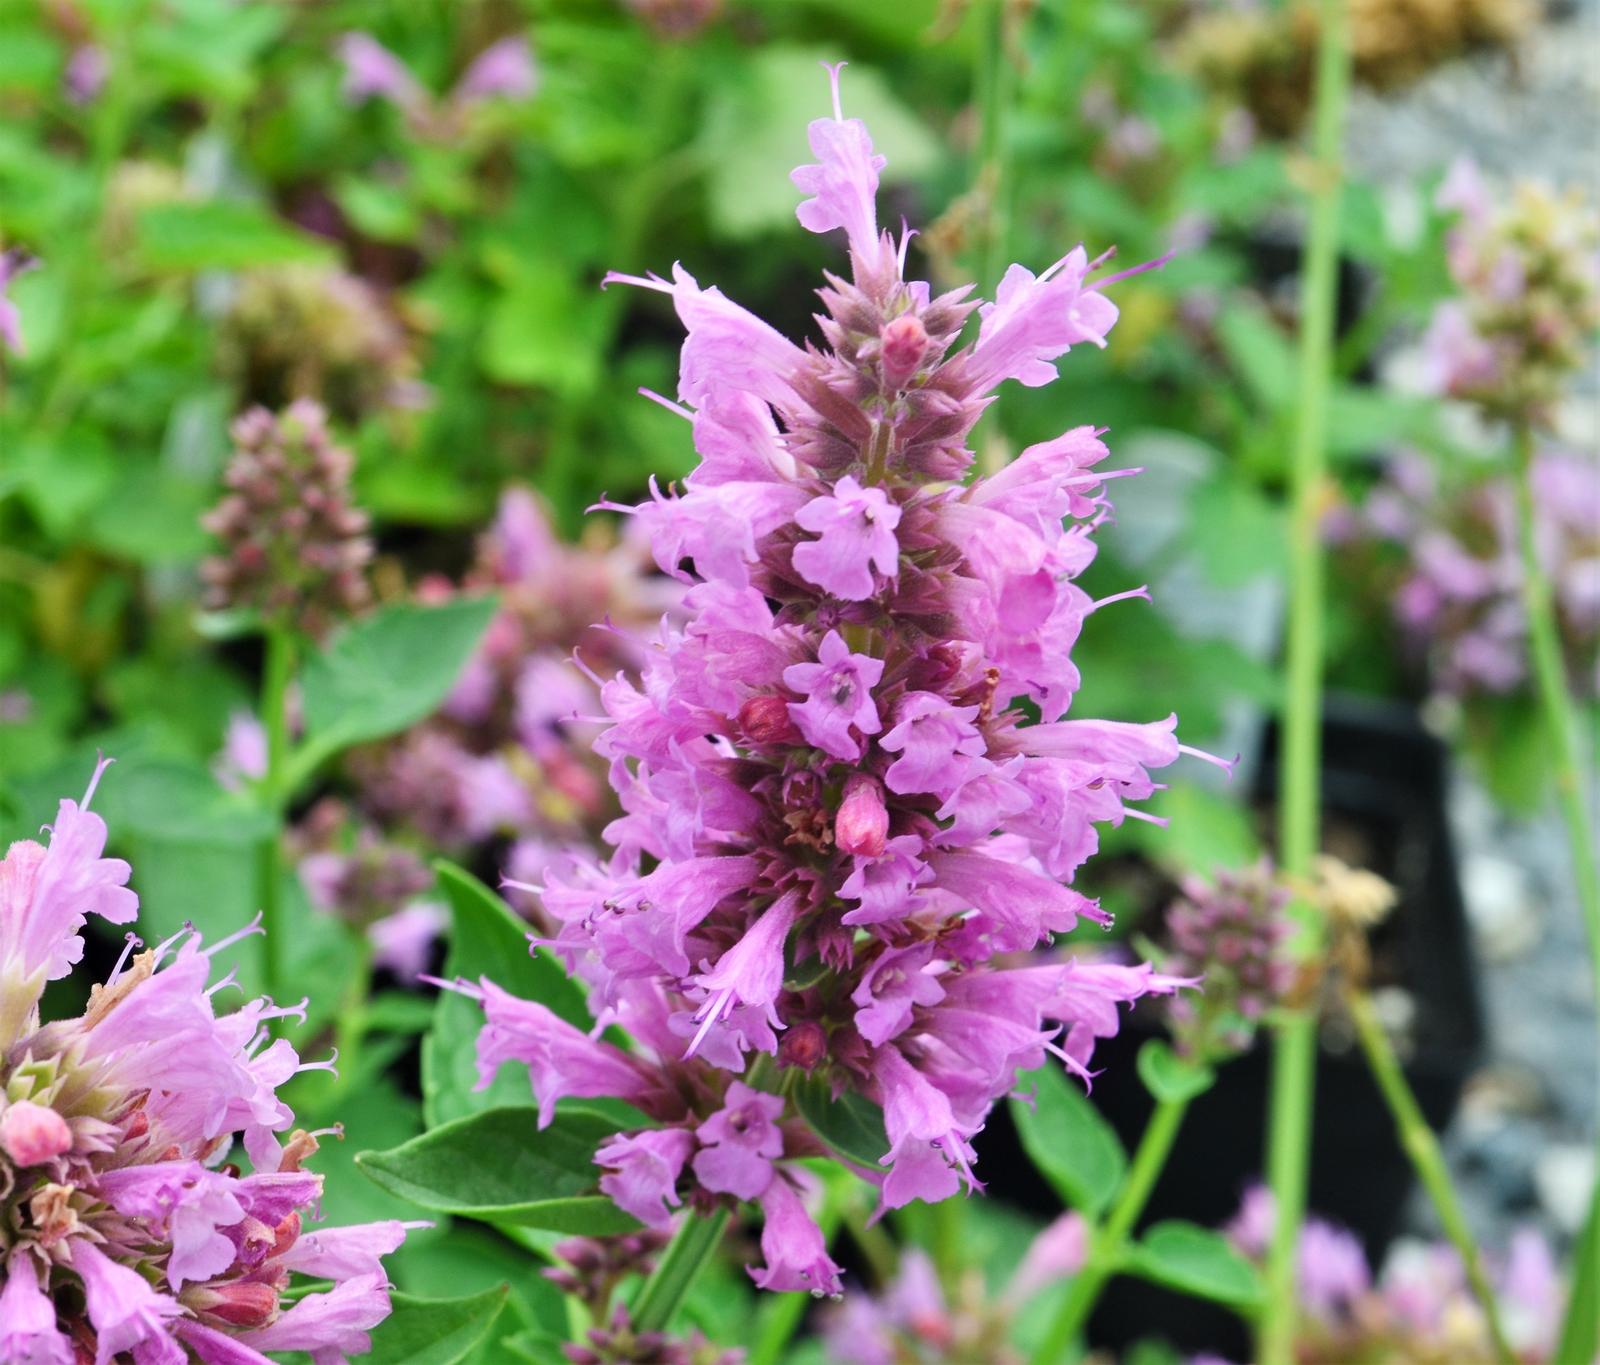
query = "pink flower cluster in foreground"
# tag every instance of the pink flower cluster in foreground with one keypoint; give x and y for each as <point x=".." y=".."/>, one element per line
<point x="130" y="1234"/>
<point x="837" y="818"/>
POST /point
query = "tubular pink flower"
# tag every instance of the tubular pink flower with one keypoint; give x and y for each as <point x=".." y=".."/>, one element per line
<point x="740" y="1142"/>
<point x="641" y="1172"/>
<point x="856" y="526"/>
<point x="844" y="183"/>
<point x="792" y="1245"/>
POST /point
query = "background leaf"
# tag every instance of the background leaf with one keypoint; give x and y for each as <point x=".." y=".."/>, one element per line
<point x="486" y="939"/>
<point x="435" y="1331"/>
<point x="1071" y="1144"/>
<point x="388" y="670"/>
<point x="1196" y="1260"/>
<point x="501" y="1167"/>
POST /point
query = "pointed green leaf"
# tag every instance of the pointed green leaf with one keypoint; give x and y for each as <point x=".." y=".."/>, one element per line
<point x="852" y="1125"/>
<point x="1168" y="1077"/>
<point x="1198" y="1261"/>
<point x="501" y="1167"/>
<point x="387" y="671"/>
<point x="434" y="1331"/>
<point x="1073" y="1147"/>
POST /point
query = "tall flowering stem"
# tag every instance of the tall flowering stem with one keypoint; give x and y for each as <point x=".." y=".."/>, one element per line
<point x="277" y="672"/>
<point x="1422" y="1147"/>
<point x="850" y="799"/>
<point x="1294" y="1054"/>
<point x="1109" y="1243"/>
<point x="1550" y="672"/>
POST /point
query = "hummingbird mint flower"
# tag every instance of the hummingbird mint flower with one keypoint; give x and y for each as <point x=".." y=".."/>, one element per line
<point x="131" y="1231"/>
<point x="1527" y="263"/>
<point x="294" y="546"/>
<point x="838" y="813"/>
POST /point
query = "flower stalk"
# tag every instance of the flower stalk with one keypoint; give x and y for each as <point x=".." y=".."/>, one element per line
<point x="694" y="1243"/>
<point x="277" y="672"/>
<point x="1554" y="697"/>
<point x="1294" y="1054"/>
<point x="1422" y="1147"/>
<point x="1108" y="1244"/>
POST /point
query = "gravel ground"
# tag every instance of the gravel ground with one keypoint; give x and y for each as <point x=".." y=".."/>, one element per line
<point x="1524" y="1143"/>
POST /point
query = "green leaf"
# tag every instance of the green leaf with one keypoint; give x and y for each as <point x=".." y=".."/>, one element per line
<point x="1260" y="351"/>
<point x="1073" y="1147"/>
<point x="537" y="1347"/>
<point x="501" y="1167"/>
<point x="222" y="234"/>
<point x="852" y="1125"/>
<point x="1196" y="1260"/>
<point x="387" y="671"/>
<point x="1580" y="1333"/>
<point x="486" y="939"/>
<point x="1168" y="1077"/>
<point x="1237" y="533"/>
<point x="435" y="1331"/>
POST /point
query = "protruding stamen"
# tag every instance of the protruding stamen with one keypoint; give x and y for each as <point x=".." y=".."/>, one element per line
<point x="833" y="70"/>
<point x="1226" y="764"/>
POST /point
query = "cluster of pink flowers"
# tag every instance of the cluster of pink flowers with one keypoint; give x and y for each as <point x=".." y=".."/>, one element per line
<point x="503" y="70"/>
<point x="508" y="762"/>
<point x="294" y="545"/>
<point x="1459" y="597"/>
<point x="1231" y="933"/>
<point x="914" y="1319"/>
<point x="1528" y="267"/>
<point x="836" y="816"/>
<point x="129" y="1232"/>
<point x="1420" y="1308"/>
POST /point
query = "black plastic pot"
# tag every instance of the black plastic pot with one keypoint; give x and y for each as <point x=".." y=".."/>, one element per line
<point x="1383" y="790"/>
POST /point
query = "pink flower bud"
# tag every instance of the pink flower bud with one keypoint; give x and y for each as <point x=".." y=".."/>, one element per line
<point x="765" y="720"/>
<point x="31" y="1134"/>
<point x="804" y="1044"/>
<point x="237" y="1303"/>
<point x="905" y="343"/>
<point x="862" y="824"/>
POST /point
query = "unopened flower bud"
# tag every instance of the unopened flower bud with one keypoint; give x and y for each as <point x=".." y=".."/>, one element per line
<point x="765" y="720"/>
<point x="31" y="1134"/>
<point x="862" y="824"/>
<point x="905" y="344"/>
<point x="239" y="1303"/>
<point x="804" y="1044"/>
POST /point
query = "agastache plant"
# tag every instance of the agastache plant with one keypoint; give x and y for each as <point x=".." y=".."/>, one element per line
<point x="835" y="814"/>
<point x="126" y="1230"/>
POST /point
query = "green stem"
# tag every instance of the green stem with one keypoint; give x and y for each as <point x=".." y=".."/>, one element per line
<point x="691" y="1247"/>
<point x="991" y="82"/>
<point x="1299" y="787"/>
<point x="1109" y="1243"/>
<point x="277" y="670"/>
<point x="1423" y="1149"/>
<point x="1550" y="672"/>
